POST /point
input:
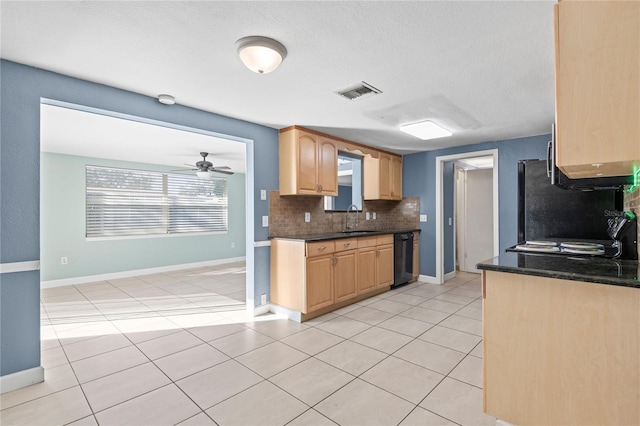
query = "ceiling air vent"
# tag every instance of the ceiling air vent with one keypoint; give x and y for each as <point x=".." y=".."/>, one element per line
<point x="359" y="91"/>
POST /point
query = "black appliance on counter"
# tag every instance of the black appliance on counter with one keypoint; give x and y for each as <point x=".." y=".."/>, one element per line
<point x="583" y="220"/>
<point x="556" y="177"/>
<point x="402" y="258"/>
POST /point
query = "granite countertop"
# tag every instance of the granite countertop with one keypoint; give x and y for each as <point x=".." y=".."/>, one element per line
<point x="339" y="235"/>
<point x="595" y="270"/>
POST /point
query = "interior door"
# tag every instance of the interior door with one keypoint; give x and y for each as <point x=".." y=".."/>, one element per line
<point x="478" y="237"/>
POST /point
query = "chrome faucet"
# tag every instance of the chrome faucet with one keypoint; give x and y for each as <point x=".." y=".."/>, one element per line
<point x="351" y="226"/>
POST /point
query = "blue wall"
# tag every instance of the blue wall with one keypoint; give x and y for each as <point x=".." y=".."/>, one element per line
<point x="22" y="87"/>
<point x="419" y="180"/>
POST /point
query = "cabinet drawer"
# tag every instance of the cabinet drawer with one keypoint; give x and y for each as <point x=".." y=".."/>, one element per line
<point x="384" y="239"/>
<point x="346" y="244"/>
<point x="367" y="242"/>
<point x="320" y="248"/>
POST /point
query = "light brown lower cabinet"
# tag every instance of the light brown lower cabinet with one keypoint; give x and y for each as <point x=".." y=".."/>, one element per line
<point x="309" y="277"/>
<point x="560" y="352"/>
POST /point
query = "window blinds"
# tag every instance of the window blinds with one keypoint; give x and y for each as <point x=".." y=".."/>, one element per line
<point x="124" y="202"/>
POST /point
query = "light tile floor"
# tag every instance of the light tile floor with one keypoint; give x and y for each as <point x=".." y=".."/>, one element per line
<point x="178" y="348"/>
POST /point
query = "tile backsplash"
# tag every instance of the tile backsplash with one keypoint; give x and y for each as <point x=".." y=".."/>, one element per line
<point x="632" y="203"/>
<point x="286" y="215"/>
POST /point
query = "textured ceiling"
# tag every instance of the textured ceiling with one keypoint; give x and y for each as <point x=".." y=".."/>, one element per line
<point x="483" y="70"/>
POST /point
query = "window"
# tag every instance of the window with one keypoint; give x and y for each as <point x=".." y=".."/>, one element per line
<point x="124" y="202"/>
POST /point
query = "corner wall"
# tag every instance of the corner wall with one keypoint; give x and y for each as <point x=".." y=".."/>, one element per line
<point x="419" y="180"/>
<point x="22" y="88"/>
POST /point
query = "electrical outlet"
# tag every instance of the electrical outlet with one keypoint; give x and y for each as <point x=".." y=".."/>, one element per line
<point x="450" y="221"/>
<point x="374" y="216"/>
<point x="307" y="217"/>
<point x="265" y="221"/>
<point x="366" y="216"/>
<point x="64" y="260"/>
<point x="423" y="218"/>
<point x="233" y="245"/>
<point x="263" y="194"/>
<point x="263" y="299"/>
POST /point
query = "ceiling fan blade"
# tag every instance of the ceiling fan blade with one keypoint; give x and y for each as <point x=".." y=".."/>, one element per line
<point x="221" y="167"/>
<point x="217" y="170"/>
<point x="182" y="170"/>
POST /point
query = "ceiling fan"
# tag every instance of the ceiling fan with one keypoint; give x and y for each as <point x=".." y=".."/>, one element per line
<point x="204" y="166"/>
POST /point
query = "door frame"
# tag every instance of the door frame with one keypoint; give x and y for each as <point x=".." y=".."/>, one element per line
<point x="440" y="160"/>
<point x="250" y="244"/>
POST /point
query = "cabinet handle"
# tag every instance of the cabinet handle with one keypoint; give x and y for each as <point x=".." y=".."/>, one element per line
<point x="335" y="261"/>
<point x="377" y="253"/>
<point x="323" y="248"/>
<point x="346" y="244"/>
<point x="320" y="188"/>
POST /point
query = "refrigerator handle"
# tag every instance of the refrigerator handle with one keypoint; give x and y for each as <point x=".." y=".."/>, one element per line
<point x="549" y="165"/>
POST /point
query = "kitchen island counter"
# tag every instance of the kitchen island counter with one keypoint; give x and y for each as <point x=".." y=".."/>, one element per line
<point x="589" y="269"/>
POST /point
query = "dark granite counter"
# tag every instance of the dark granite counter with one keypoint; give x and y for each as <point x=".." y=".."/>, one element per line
<point x="595" y="270"/>
<point x="339" y="235"/>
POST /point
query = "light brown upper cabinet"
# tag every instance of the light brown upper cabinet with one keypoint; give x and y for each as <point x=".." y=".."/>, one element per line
<point x="383" y="177"/>
<point x="308" y="164"/>
<point x="597" y="87"/>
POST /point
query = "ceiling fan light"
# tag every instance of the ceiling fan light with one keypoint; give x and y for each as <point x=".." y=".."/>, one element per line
<point x="261" y="54"/>
<point x="425" y="130"/>
<point x="203" y="175"/>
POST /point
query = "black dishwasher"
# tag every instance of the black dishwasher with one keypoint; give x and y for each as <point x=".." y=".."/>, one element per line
<point x="402" y="258"/>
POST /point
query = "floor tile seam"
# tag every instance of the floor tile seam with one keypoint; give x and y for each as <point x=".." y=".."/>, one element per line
<point x="351" y="319"/>
<point x="447" y="347"/>
<point x="461" y="331"/>
<point x="274" y="374"/>
<point x="101" y="353"/>
<point x="306" y="411"/>
<point x="129" y="399"/>
<point x="217" y="338"/>
<point x="328" y="347"/>
<point x="197" y="414"/>
<point x="42" y="396"/>
<point x="231" y="396"/>
<point x="418" y="406"/>
<point x="390" y="392"/>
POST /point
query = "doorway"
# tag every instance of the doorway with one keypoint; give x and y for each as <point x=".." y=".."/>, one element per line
<point x="183" y="145"/>
<point x="473" y="208"/>
<point x="442" y="220"/>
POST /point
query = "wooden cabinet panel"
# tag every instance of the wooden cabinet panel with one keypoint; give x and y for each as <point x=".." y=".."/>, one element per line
<point x="328" y="167"/>
<point x="382" y="178"/>
<point x="396" y="178"/>
<point x="346" y="244"/>
<point x="560" y="352"/>
<point x="320" y="248"/>
<point x="367" y="269"/>
<point x="344" y="277"/>
<point x="384" y="266"/>
<point x="319" y="282"/>
<point x="308" y="164"/>
<point x="597" y="88"/>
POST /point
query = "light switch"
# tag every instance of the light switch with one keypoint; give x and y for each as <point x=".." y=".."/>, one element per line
<point x="307" y="217"/>
<point x="265" y="221"/>
<point x="423" y="218"/>
<point x="263" y="194"/>
<point x="450" y="221"/>
<point x="374" y="215"/>
<point x="367" y="216"/>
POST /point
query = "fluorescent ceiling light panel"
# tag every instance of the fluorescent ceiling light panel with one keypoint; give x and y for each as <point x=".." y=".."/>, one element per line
<point x="425" y="130"/>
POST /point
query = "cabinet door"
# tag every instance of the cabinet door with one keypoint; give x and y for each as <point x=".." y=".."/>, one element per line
<point x="367" y="269"/>
<point x="328" y="167"/>
<point x="597" y="87"/>
<point x="396" y="178"/>
<point x="385" y="176"/>
<point x="384" y="266"/>
<point x="344" y="277"/>
<point x="307" y="163"/>
<point x="319" y="282"/>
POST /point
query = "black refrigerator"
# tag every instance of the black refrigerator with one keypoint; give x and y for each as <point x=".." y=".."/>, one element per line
<point x="548" y="212"/>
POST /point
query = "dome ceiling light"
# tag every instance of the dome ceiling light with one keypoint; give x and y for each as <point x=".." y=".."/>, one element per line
<point x="261" y="54"/>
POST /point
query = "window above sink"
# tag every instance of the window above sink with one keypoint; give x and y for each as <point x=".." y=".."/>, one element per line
<point x="349" y="184"/>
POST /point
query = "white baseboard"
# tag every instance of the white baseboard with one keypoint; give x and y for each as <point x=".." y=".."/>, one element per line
<point x="21" y="379"/>
<point x="451" y="275"/>
<point x="428" y="279"/>
<point x="133" y="273"/>
<point x="260" y="310"/>
<point x="289" y="313"/>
